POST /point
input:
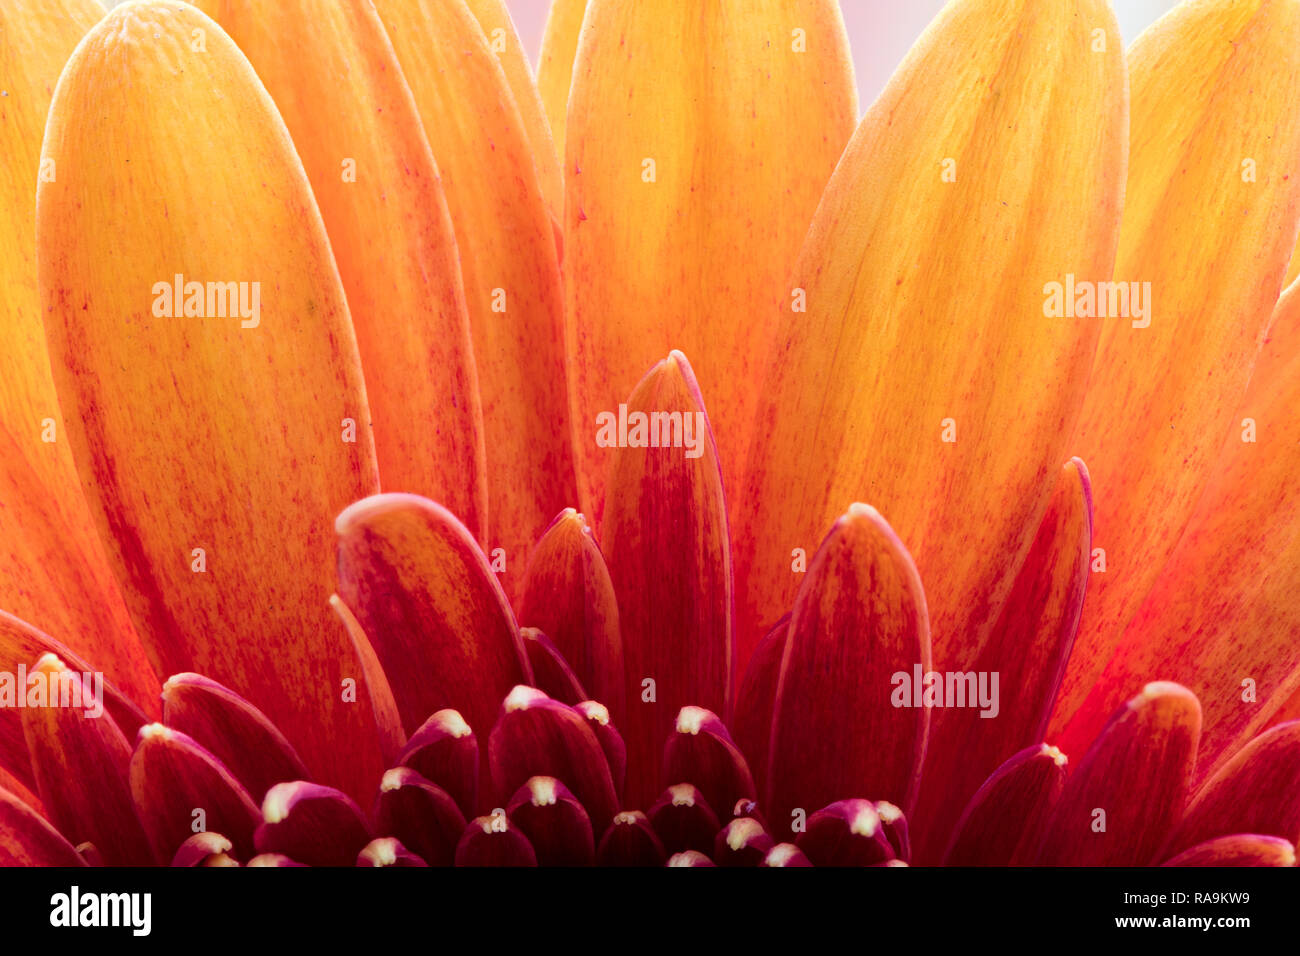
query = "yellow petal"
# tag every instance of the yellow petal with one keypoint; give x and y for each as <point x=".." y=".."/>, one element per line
<point x="508" y="259"/>
<point x="214" y="449"/>
<point x="926" y="377"/>
<point x="355" y="124"/>
<point x="555" y="68"/>
<point x="1210" y="218"/>
<point x="52" y="566"/>
<point x="700" y="138"/>
<point x="494" y="19"/>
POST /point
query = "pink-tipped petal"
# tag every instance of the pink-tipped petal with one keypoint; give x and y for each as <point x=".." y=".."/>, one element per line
<point x="1005" y="820"/>
<point x="742" y="842"/>
<point x="493" y="841"/>
<point x="701" y="751"/>
<point x="28" y="839"/>
<point x="630" y="841"/>
<point x="205" y="849"/>
<point x="387" y="851"/>
<point x="846" y="833"/>
<point x="445" y="751"/>
<point x="1239" y="849"/>
<point x="611" y="741"/>
<point x="683" y="819"/>
<point x="554" y="821"/>
<point x="420" y="814"/>
<point x="313" y="824"/>
<point x="551" y="672"/>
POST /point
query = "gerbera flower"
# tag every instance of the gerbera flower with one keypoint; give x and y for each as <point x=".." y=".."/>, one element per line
<point x="305" y="301"/>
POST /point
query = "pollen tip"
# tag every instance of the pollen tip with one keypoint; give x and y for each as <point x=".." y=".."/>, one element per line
<point x="521" y="697"/>
<point x="682" y="794"/>
<point x="150" y="731"/>
<point x="451" y="723"/>
<point x="741" y="831"/>
<point x="391" y="780"/>
<point x="690" y="719"/>
<point x="543" y="791"/>
<point x="1058" y="758"/>
<point x="595" y="710"/>
<point x="887" y="811"/>
<point x="865" y="822"/>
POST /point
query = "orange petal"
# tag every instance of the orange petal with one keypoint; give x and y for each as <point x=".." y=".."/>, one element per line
<point x="509" y="262"/>
<point x="1210" y="218"/>
<point x="555" y="67"/>
<point x="1128" y="792"/>
<point x="423" y="592"/>
<point x="356" y="126"/>
<point x="925" y="376"/>
<point x="1223" y="618"/>
<point x="1257" y="791"/>
<point x="700" y="138"/>
<point x="27" y="839"/>
<point x="80" y="762"/>
<point x="53" y="571"/>
<point x="389" y="732"/>
<point x="494" y="19"/>
<point x="568" y="594"/>
<point x="1004" y="821"/>
<point x="1240" y="849"/>
<point x="669" y="559"/>
<point x="208" y="444"/>
<point x="1028" y="650"/>
<point x="859" y="624"/>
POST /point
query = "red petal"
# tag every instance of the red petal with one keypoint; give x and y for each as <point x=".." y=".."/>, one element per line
<point x="551" y="672"/>
<point x="554" y="821"/>
<point x="742" y="842"/>
<point x="492" y="841"/>
<point x="387" y="851"/>
<point x="611" y="741"/>
<point x="846" y="833"/>
<point x="683" y="820"/>
<point x="383" y="707"/>
<point x="1240" y="849"/>
<point x="205" y="849"/>
<point x="1006" y="818"/>
<point x="27" y="839"/>
<point x="700" y="751"/>
<point x="786" y="854"/>
<point x="445" y="751"/>
<point x="420" y="814"/>
<point x="689" y="858"/>
<point x="315" y="825"/>
<point x="757" y="697"/>
<point x="630" y="841"/>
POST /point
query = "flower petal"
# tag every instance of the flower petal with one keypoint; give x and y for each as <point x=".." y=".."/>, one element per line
<point x="683" y="820"/>
<point x="28" y="839"/>
<point x="1004" y="822"/>
<point x="742" y="842"/>
<point x="1222" y="618"/>
<point x="387" y="851"/>
<point x="389" y="732"/>
<point x="434" y="611"/>
<point x="630" y="841"/>
<point x="508" y="260"/>
<point x="569" y="595"/>
<point x="669" y="559"/>
<point x="538" y="736"/>
<point x="551" y="672"/>
<point x="1027" y="650"/>
<point x="205" y="849"/>
<point x="1129" y="791"/>
<point x="859" y="620"/>
<point x="785" y="854"/>
<point x="555" y="67"/>
<point x="1257" y="791"/>
<point x="233" y="731"/>
<point x="1240" y="849"/>
<point x="757" y="697"/>
<point x="273" y="859"/>
<point x="925" y="349"/>
<point x="554" y="821"/>
<point x="53" y="571"/>
<point x="208" y="444"/>
<point x="846" y="833"/>
<point x="315" y="825"/>
<point x="689" y="858"/>
<point x="80" y="766"/>
<point x="1210" y="219"/>
<point x="419" y="813"/>
<point x="374" y="176"/>
<point x="701" y="751"/>
<point x="611" y="741"/>
<point x="173" y="777"/>
<point x="494" y="18"/>
<point x="445" y="751"/>
<point x="711" y="128"/>
<point x="492" y="841"/>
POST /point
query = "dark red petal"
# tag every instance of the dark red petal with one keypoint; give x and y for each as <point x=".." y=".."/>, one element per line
<point x="742" y="842"/>
<point x="551" y="672"/>
<point x="1137" y="772"/>
<point x="611" y="741"/>
<point x="493" y="841"/>
<point x="630" y="841"/>
<point x="569" y="595"/>
<point x="1005" y="820"/>
<point x="859" y="622"/>
<point x="445" y="751"/>
<point x="173" y="777"/>
<point x="420" y="814"/>
<point x="387" y="851"/>
<point x="1257" y="791"/>
<point x="701" y="751"/>
<point x="27" y="839"/>
<point x="1028" y="649"/>
<point x="554" y="821"/>
<point x="205" y="849"/>
<point x="846" y="833"/>
<point x="894" y="822"/>
<point x="683" y="819"/>
<point x="233" y="731"/>
<point x="81" y="768"/>
<point x="757" y="697"/>
<point x="313" y="824"/>
<point x="389" y="732"/>
<point x="665" y="532"/>
<point x="786" y="854"/>
<point x="273" y="859"/>
<point x="1239" y="849"/>
<point x="689" y="858"/>
<point x="538" y="736"/>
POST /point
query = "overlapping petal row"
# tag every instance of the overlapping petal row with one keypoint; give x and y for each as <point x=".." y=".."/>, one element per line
<point x="334" y="386"/>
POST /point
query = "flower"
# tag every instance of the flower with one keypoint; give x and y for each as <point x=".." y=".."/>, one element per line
<point x="311" y="304"/>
